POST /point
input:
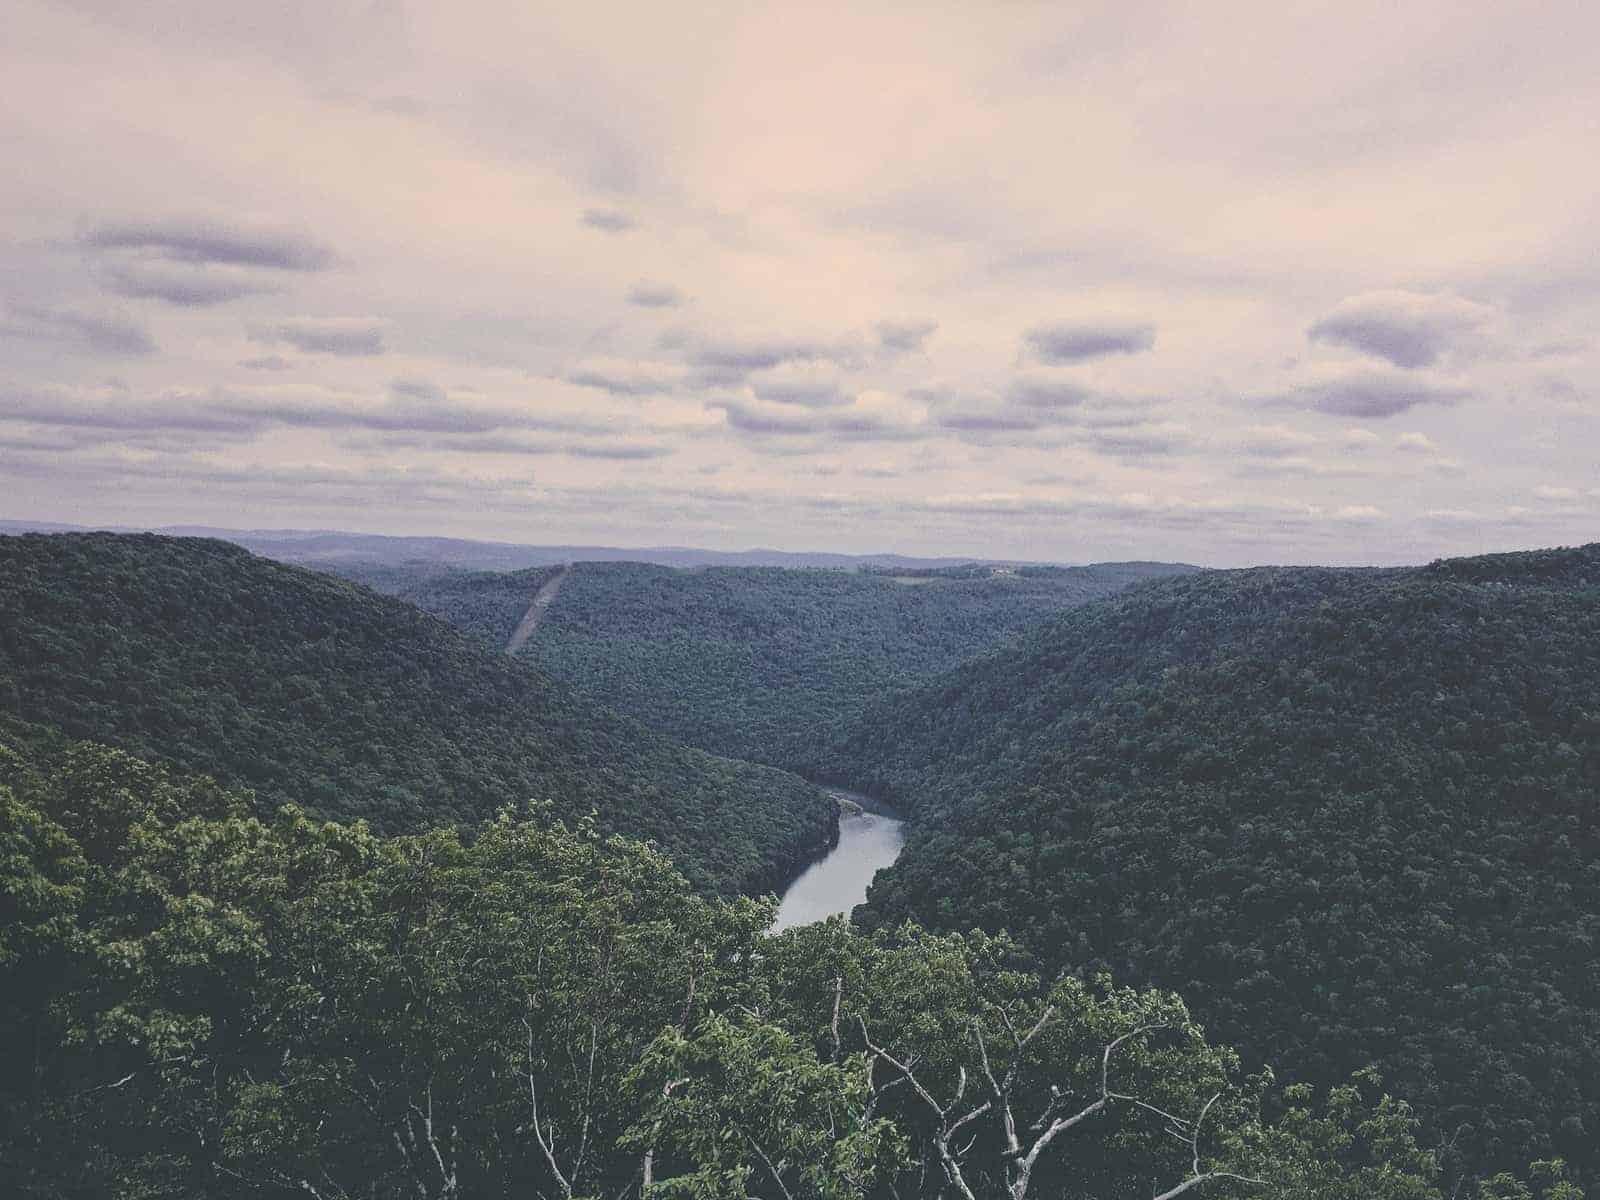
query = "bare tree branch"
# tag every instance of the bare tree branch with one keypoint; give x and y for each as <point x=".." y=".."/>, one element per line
<point x="838" y="997"/>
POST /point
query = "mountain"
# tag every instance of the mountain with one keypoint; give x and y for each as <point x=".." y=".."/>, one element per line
<point x="307" y="688"/>
<point x="197" y="1003"/>
<point x="754" y="662"/>
<point x="1350" y="815"/>
<point x="334" y="547"/>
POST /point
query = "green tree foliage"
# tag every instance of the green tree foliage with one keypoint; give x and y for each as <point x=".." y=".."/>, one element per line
<point x="756" y="662"/>
<point x="251" y="1006"/>
<point x="486" y="605"/>
<point x="1351" y="816"/>
<point x="311" y="690"/>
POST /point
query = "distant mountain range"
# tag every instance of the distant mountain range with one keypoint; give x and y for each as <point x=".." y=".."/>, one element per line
<point x="325" y="546"/>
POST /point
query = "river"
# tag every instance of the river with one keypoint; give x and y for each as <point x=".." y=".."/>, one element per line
<point x="837" y="882"/>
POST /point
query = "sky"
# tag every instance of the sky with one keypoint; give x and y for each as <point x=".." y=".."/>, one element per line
<point x="1229" y="283"/>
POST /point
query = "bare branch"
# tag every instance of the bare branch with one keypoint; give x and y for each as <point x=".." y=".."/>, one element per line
<point x="1197" y="1176"/>
<point x="545" y="1139"/>
<point x="948" y="1159"/>
<point x="838" y="997"/>
<point x="1013" y="1147"/>
<point x="777" y="1176"/>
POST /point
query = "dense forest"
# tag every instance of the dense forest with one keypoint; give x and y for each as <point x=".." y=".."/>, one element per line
<point x="311" y="690"/>
<point x="1351" y="816"/>
<point x="200" y="1001"/>
<point x="755" y="662"/>
<point x="306" y="890"/>
<point x="485" y="605"/>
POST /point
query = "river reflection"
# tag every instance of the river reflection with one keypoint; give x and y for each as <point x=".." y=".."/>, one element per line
<point x="837" y="883"/>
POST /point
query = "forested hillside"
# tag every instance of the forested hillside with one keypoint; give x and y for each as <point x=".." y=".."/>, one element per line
<point x="487" y="605"/>
<point x="196" y="1002"/>
<point x="309" y="689"/>
<point x="1350" y="815"/>
<point x="757" y="662"/>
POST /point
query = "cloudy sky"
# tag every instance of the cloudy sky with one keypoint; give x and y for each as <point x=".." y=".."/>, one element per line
<point x="1231" y="283"/>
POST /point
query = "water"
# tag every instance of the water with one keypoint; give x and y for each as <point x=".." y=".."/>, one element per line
<point x="838" y="882"/>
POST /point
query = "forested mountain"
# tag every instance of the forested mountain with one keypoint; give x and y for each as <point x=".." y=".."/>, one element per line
<point x="309" y="689"/>
<point x="487" y="605"/>
<point x="196" y="1002"/>
<point x="1350" y="816"/>
<point x="757" y="662"/>
<point x="341" y="551"/>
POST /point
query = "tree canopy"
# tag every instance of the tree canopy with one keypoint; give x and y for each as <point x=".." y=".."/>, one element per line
<point x="1351" y="816"/>
<point x="196" y="1001"/>
<point x="311" y="690"/>
<point x="758" y="663"/>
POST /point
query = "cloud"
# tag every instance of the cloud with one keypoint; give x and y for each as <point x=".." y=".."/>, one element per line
<point x="740" y="356"/>
<point x="1046" y="391"/>
<point x="624" y="378"/>
<point x="1373" y="394"/>
<point x="1147" y="441"/>
<point x="206" y="241"/>
<point x="1546" y="491"/>
<point x="609" y="220"/>
<point x="509" y="443"/>
<point x="267" y="362"/>
<point x="619" y="451"/>
<point x="805" y="384"/>
<point x="770" y="419"/>
<point x="342" y="336"/>
<point x="1068" y="342"/>
<point x="115" y="409"/>
<point x="96" y="334"/>
<point x="1359" y="441"/>
<point x="311" y="408"/>
<point x="1415" y="443"/>
<point x="1408" y="329"/>
<point x="978" y="417"/>
<point x="413" y="406"/>
<point x="961" y="412"/>
<point x="871" y="418"/>
<point x="418" y="389"/>
<point x="1034" y="403"/>
<point x="655" y="295"/>
<point x="1274" y="441"/>
<point x="1295" y="466"/>
<point x="904" y="337"/>
<point x="865" y="424"/>
<point x="179" y="283"/>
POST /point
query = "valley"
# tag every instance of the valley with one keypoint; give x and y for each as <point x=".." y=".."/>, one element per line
<point x="1343" y="822"/>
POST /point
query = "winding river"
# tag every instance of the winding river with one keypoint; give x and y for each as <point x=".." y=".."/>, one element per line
<point x="837" y="882"/>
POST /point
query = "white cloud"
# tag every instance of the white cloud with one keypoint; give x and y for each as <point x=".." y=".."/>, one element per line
<point x="682" y="232"/>
<point x="1407" y="329"/>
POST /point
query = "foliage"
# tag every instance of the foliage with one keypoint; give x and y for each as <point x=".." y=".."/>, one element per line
<point x="1351" y="816"/>
<point x="275" y="1006"/>
<point x="486" y="605"/>
<point x="311" y="690"/>
<point x="759" y="663"/>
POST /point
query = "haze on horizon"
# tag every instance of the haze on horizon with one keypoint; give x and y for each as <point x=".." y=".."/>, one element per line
<point x="1227" y="284"/>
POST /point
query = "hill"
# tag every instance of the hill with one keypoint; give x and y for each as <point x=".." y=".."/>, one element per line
<point x="1350" y="815"/>
<point x="756" y="662"/>
<point x="338" y="549"/>
<point x="196" y="1002"/>
<point x="485" y="605"/>
<point x="309" y="689"/>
